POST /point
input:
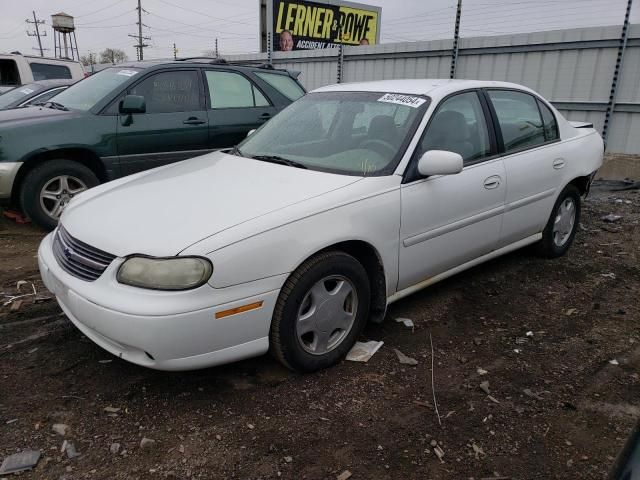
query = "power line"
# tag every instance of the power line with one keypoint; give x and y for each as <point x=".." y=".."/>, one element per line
<point x="141" y="45"/>
<point x="100" y="9"/>
<point x="104" y="19"/>
<point x="205" y="14"/>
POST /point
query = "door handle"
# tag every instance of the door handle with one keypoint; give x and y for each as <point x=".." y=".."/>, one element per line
<point x="194" y="121"/>
<point x="558" y="163"/>
<point x="492" y="182"/>
<point x="264" y="117"/>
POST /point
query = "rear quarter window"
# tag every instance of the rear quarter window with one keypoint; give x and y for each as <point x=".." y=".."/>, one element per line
<point x="45" y="71"/>
<point x="286" y="85"/>
<point x="9" y="76"/>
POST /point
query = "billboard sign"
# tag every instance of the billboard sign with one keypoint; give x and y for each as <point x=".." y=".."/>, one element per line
<point x="307" y="25"/>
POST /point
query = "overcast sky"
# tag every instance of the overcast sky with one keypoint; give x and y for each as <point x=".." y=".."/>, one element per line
<point x="193" y="25"/>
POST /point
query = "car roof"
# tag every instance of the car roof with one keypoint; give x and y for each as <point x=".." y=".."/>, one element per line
<point x="434" y="87"/>
<point x="58" y="82"/>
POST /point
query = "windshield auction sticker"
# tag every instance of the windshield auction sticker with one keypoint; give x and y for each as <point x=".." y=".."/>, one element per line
<point x="407" y="100"/>
<point x="127" y="73"/>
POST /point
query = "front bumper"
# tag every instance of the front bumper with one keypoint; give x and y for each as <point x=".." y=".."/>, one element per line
<point x="8" y="172"/>
<point x="182" y="339"/>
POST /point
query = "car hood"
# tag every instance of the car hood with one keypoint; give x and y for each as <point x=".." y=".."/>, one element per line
<point x="162" y="212"/>
<point x="30" y="115"/>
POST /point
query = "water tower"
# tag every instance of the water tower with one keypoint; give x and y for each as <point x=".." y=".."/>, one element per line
<point x="65" y="33"/>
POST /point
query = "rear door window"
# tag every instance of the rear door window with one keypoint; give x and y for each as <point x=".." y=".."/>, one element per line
<point x="519" y="119"/>
<point x="9" y="76"/>
<point x="232" y="90"/>
<point x="170" y="92"/>
<point x="45" y="71"/>
<point x="283" y="83"/>
<point x="46" y="96"/>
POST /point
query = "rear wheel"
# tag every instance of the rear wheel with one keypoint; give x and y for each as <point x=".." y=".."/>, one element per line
<point x="321" y="310"/>
<point x="562" y="226"/>
<point x="49" y="187"/>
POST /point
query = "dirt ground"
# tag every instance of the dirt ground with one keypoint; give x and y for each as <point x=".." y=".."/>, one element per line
<point x="562" y="398"/>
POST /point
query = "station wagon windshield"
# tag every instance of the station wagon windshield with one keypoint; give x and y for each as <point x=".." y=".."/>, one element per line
<point x="353" y="133"/>
<point x="85" y="94"/>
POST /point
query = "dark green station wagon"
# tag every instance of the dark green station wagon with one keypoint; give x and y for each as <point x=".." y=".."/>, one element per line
<point x="130" y="118"/>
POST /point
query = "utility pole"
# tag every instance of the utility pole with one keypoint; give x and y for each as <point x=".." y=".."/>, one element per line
<point x="217" y="55"/>
<point x="175" y="52"/>
<point x="141" y="45"/>
<point x="36" y="23"/>
<point x="617" y="73"/>
<point x="456" y="39"/>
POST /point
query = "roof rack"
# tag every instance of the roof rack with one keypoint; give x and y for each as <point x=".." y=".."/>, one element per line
<point x="211" y="60"/>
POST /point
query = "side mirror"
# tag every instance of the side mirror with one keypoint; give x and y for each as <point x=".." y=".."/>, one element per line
<point x="133" y="104"/>
<point x="439" y="162"/>
<point x="250" y="132"/>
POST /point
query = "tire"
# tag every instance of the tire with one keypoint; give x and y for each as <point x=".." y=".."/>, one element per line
<point x="42" y="210"/>
<point x="556" y="243"/>
<point x="327" y="276"/>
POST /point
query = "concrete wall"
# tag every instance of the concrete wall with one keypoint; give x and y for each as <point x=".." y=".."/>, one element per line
<point x="572" y="68"/>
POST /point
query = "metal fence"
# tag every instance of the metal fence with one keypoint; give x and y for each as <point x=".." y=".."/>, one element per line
<point x="573" y="68"/>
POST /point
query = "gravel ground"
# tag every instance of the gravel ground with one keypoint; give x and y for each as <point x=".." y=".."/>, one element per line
<point x="557" y="341"/>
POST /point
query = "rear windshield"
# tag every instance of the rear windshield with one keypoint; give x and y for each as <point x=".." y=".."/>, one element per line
<point x="9" y="76"/>
<point x="284" y="84"/>
<point x="15" y="95"/>
<point x="45" y="71"/>
<point x="86" y="93"/>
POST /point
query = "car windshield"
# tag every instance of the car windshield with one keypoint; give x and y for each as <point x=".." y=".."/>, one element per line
<point x="352" y="133"/>
<point x="16" y="94"/>
<point x="85" y="94"/>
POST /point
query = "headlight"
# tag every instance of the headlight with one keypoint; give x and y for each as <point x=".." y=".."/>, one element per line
<point x="175" y="273"/>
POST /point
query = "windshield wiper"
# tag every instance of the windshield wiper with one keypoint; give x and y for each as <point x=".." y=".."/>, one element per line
<point x="54" y="105"/>
<point x="235" y="151"/>
<point x="279" y="160"/>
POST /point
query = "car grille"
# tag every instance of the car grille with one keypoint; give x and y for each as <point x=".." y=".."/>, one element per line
<point x="78" y="258"/>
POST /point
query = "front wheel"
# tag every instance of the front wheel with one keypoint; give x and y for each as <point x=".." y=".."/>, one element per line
<point x="562" y="226"/>
<point x="49" y="187"/>
<point x="321" y="310"/>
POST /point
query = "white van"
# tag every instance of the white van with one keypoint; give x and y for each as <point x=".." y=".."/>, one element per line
<point x="17" y="69"/>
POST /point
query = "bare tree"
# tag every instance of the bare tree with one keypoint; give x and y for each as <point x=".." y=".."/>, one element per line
<point x="113" y="55"/>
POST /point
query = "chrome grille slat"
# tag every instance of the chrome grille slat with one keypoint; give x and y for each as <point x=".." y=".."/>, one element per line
<point x="78" y="258"/>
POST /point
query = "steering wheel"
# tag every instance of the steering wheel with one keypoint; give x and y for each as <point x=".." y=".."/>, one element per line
<point x="381" y="146"/>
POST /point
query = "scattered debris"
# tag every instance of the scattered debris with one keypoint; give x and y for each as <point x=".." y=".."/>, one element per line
<point x="614" y="362"/>
<point x="288" y="459"/>
<point x="344" y="475"/>
<point x="422" y="404"/>
<point x="529" y="334"/>
<point x="111" y="409"/>
<point x="147" y="443"/>
<point x="18" y="462"/>
<point x="439" y="453"/>
<point x="611" y="218"/>
<point x="13" y="420"/>
<point x="407" y="322"/>
<point x="529" y="393"/>
<point x="484" y="386"/>
<point x="493" y="399"/>
<point x="114" y="448"/>
<point x="404" y="359"/>
<point x="105" y="361"/>
<point x="70" y="449"/>
<point x="60" y="428"/>
<point x="571" y="311"/>
<point x="433" y="388"/>
<point x="608" y="275"/>
<point x="15" y="306"/>
<point x="477" y="450"/>
<point x="250" y="426"/>
<point x="517" y="350"/>
<point x="362" y="352"/>
<point x="481" y="371"/>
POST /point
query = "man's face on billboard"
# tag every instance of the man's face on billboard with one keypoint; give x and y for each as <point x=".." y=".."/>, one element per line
<point x="286" y="41"/>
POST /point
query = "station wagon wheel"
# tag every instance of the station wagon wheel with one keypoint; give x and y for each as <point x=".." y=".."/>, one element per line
<point x="46" y="189"/>
<point x="321" y="310"/>
<point x="562" y="225"/>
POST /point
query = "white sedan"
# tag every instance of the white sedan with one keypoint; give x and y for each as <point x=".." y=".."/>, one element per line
<point x="353" y="197"/>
